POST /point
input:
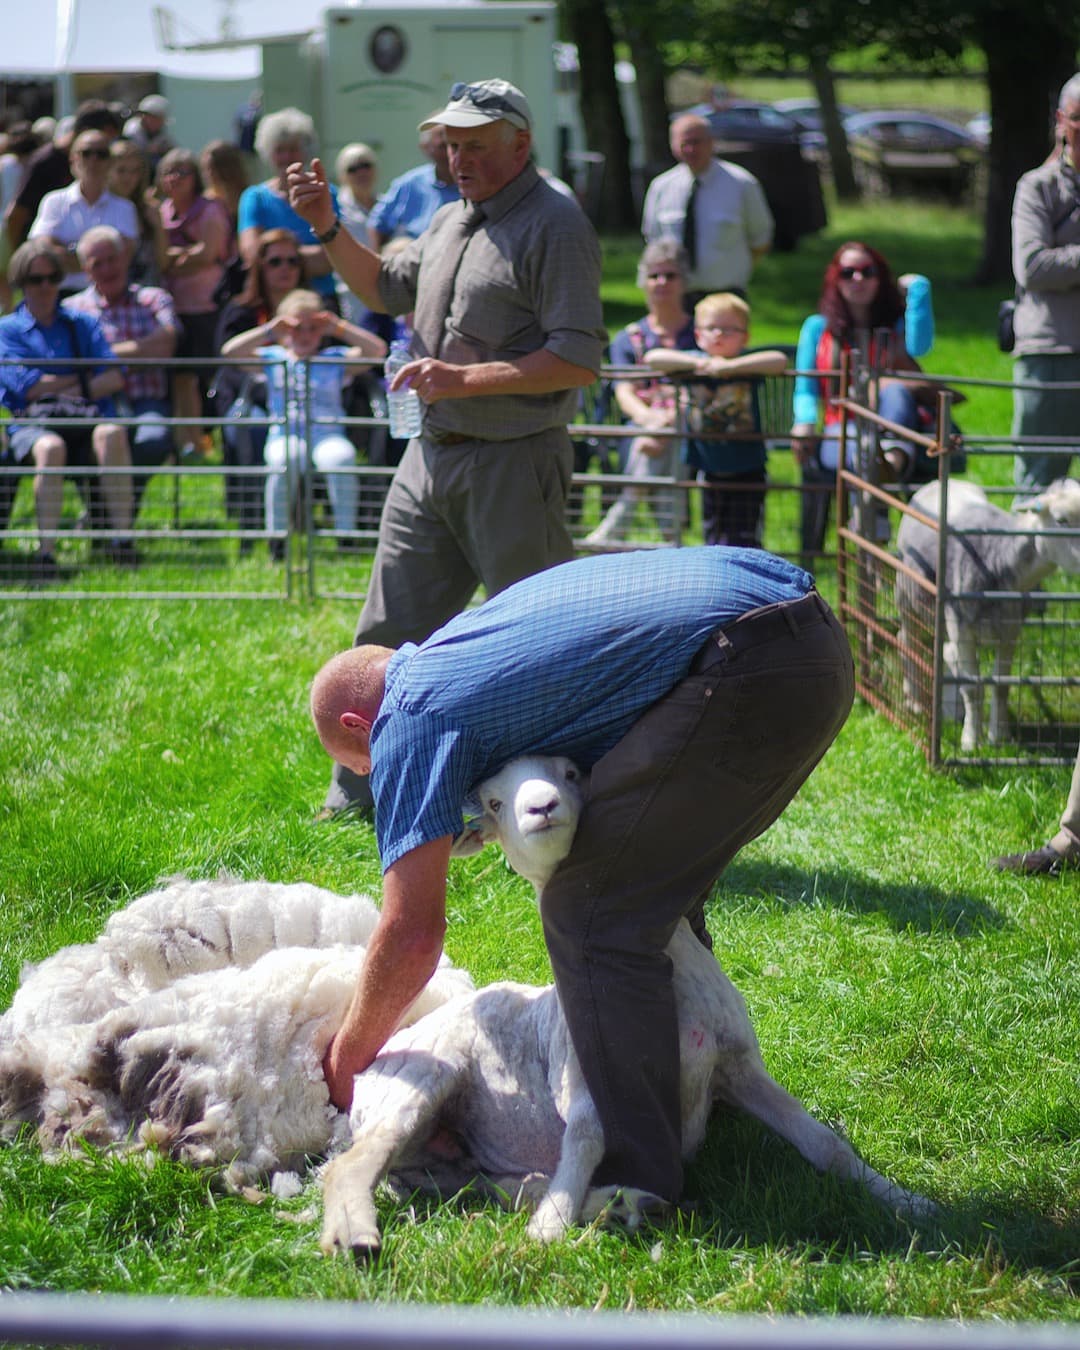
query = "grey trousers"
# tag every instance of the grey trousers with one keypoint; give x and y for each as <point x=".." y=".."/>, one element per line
<point x="705" y="770"/>
<point x="456" y="517"/>
<point x="1045" y="411"/>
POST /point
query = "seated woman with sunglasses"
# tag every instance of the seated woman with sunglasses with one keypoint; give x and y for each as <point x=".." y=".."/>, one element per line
<point x="859" y="300"/>
<point x="41" y="335"/>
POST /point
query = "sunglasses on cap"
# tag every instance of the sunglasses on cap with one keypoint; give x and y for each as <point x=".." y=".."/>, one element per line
<point x="850" y="273"/>
<point x="482" y="98"/>
<point x="43" y="278"/>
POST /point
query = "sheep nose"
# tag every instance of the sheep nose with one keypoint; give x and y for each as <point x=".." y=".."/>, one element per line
<point x="545" y="808"/>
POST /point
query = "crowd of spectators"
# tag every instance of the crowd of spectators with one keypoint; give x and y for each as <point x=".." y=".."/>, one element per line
<point x="170" y="252"/>
<point x="164" y="253"/>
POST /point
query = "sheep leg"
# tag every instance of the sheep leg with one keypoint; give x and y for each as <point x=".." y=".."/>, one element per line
<point x="581" y="1151"/>
<point x="393" y="1108"/>
<point x="754" y="1091"/>
<point x="999" y="694"/>
<point x="962" y="659"/>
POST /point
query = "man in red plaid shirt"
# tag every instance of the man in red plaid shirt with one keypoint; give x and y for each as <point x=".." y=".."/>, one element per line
<point x="139" y="321"/>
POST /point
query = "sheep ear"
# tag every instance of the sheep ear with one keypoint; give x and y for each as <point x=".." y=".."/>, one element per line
<point x="466" y="844"/>
<point x="477" y="831"/>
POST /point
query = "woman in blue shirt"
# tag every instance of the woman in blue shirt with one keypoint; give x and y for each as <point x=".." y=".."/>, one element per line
<point x="40" y="335"/>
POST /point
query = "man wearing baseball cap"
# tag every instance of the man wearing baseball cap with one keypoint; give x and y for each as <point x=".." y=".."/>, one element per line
<point x="505" y="290"/>
<point x="147" y="128"/>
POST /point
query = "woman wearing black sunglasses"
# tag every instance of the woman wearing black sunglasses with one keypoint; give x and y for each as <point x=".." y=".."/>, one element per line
<point x="43" y="337"/>
<point x="862" y="306"/>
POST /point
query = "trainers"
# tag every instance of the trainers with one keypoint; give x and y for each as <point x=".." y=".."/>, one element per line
<point x="44" y="569"/>
<point x="1045" y="861"/>
<point x="350" y="811"/>
<point x="121" y="553"/>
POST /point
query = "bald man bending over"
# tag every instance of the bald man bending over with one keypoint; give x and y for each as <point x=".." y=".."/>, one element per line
<point x="699" y="686"/>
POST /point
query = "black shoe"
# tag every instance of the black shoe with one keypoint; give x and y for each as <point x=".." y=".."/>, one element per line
<point x="1045" y="861"/>
<point x="44" y="569"/>
<point x="350" y="811"/>
<point x="121" y="553"/>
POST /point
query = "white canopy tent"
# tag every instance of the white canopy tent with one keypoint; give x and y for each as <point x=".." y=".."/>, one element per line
<point x="78" y="43"/>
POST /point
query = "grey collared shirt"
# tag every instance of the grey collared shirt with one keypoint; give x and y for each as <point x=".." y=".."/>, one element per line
<point x="529" y="280"/>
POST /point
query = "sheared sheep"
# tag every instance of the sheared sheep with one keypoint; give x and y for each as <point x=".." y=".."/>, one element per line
<point x="977" y="565"/>
<point x="489" y="1084"/>
<point x="196" y="1024"/>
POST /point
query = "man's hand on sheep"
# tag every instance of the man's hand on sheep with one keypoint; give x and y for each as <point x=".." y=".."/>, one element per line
<point x="339" y="1075"/>
<point x="401" y="957"/>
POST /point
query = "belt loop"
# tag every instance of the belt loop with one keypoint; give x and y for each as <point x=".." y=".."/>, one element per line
<point x="724" y="643"/>
<point x="789" y="619"/>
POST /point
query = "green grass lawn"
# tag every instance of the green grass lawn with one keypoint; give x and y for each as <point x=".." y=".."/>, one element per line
<point x="920" y="1002"/>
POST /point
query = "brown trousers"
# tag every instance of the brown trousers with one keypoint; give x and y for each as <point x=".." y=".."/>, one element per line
<point x="706" y="769"/>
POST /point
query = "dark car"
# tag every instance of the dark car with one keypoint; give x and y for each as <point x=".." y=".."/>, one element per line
<point x="914" y="152"/>
<point x="767" y="143"/>
<point x="806" y="113"/>
<point x="743" y="118"/>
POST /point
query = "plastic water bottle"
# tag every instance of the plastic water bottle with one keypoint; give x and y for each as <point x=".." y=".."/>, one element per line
<point x="406" y="414"/>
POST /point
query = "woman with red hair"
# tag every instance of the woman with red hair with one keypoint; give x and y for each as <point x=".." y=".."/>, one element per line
<point x="862" y="308"/>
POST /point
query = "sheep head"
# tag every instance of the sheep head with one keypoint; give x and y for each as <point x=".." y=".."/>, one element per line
<point x="1056" y="508"/>
<point x="531" y="808"/>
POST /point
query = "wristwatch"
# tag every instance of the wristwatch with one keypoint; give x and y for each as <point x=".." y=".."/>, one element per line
<point x="332" y="233"/>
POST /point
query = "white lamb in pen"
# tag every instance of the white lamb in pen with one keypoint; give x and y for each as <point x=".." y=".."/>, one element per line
<point x="495" y="1070"/>
<point x="1017" y="552"/>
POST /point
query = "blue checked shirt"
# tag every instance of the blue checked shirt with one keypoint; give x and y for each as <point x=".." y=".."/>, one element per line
<point x="561" y="663"/>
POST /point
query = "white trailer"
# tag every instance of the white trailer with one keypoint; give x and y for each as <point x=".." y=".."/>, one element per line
<point x="372" y="71"/>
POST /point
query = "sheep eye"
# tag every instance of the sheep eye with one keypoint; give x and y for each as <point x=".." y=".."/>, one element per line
<point x="571" y="775"/>
<point x="494" y="805"/>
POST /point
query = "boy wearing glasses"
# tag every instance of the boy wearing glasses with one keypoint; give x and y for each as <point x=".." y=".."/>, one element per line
<point x="725" y="446"/>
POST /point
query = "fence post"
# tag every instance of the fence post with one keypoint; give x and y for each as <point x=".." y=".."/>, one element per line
<point x="944" y="423"/>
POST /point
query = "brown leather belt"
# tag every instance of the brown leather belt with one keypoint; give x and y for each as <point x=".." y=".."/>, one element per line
<point x="449" y="438"/>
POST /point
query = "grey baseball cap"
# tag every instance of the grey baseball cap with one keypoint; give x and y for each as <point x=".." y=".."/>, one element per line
<point x="476" y="104"/>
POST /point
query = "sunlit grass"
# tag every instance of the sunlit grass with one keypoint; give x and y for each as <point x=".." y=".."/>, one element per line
<point x="921" y="1002"/>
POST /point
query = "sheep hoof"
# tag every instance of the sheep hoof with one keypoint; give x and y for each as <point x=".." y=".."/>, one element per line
<point x="363" y="1249"/>
<point x="366" y="1253"/>
<point x="546" y="1225"/>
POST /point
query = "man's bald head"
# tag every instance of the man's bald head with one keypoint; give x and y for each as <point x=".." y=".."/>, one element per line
<point x="346" y="695"/>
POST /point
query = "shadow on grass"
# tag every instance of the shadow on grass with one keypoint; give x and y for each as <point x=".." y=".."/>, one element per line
<point x="906" y="905"/>
<point x="749" y="1188"/>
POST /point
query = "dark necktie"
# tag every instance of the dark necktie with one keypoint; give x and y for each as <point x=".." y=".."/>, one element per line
<point x="436" y="292"/>
<point x="689" y="229"/>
